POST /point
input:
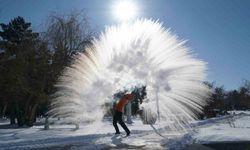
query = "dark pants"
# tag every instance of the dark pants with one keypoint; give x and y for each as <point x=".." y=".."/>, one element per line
<point x="118" y="117"/>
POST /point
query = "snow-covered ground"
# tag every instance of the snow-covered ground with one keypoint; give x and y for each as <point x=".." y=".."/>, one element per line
<point x="100" y="136"/>
<point x="236" y="128"/>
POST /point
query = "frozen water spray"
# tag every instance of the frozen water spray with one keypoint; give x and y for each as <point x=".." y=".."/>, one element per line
<point x="140" y="52"/>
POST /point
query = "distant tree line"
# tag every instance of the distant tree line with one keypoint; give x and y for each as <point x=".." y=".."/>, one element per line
<point x="31" y="62"/>
<point x="222" y="101"/>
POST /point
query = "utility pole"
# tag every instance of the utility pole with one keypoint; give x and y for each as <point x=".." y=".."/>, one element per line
<point x="157" y="103"/>
<point x="129" y="113"/>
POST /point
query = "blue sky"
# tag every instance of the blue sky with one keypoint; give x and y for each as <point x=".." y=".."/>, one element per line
<point x="218" y="31"/>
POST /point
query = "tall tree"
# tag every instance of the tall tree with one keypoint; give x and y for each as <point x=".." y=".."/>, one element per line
<point x="217" y="101"/>
<point x="233" y="100"/>
<point x="244" y="95"/>
<point x="23" y="64"/>
<point x="67" y="35"/>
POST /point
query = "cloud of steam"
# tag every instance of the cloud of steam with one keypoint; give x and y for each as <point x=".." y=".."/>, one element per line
<point x="141" y="52"/>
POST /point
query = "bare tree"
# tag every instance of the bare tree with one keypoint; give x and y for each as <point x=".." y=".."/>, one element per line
<point x="69" y="32"/>
<point x="67" y="35"/>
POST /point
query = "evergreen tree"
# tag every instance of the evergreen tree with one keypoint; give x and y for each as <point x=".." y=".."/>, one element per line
<point x="24" y="70"/>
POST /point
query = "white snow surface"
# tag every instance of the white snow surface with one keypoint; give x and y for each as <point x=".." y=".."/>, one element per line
<point x="225" y="129"/>
<point x="92" y="136"/>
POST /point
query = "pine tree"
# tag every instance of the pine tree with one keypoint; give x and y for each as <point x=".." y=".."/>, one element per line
<point x="25" y="70"/>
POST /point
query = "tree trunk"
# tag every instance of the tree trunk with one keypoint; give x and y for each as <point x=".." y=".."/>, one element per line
<point x="4" y="109"/>
<point x="12" y="113"/>
<point x="27" y="109"/>
<point x="32" y="115"/>
<point x="20" y="115"/>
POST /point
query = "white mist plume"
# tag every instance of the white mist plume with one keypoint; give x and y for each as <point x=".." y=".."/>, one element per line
<point x="141" y="52"/>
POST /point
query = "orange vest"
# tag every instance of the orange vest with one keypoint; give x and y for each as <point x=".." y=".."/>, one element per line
<point x="120" y="106"/>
